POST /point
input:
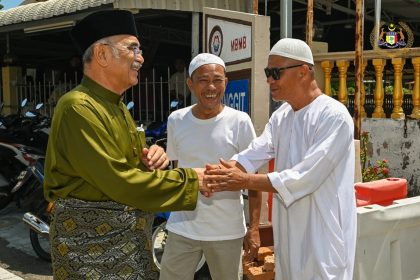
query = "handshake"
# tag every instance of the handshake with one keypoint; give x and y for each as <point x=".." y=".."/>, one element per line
<point x="226" y="176"/>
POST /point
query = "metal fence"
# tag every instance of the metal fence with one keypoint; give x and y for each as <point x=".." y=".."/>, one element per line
<point x="388" y="104"/>
<point x="152" y="96"/>
<point x="44" y="91"/>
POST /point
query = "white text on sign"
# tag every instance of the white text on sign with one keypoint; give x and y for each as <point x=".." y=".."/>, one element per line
<point x="236" y="100"/>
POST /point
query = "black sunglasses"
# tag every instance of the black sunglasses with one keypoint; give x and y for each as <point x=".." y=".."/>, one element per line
<point x="275" y="71"/>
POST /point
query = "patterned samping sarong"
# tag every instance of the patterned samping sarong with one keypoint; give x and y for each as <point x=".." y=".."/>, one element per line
<point x="101" y="240"/>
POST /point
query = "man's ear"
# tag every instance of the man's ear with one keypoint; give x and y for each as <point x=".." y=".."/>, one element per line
<point x="100" y="54"/>
<point x="305" y="70"/>
<point x="189" y="83"/>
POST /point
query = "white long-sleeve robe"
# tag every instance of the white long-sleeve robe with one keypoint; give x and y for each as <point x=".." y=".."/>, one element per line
<point x="314" y="211"/>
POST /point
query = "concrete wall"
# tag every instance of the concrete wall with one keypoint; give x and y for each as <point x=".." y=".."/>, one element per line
<point x="387" y="141"/>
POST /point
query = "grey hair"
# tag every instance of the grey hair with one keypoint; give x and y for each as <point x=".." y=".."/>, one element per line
<point x="88" y="54"/>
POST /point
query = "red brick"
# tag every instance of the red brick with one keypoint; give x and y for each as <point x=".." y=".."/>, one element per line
<point x="248" y="265"/>
<point x="268" y="263"/>
<point x="263" y="252"/>
<point x="257" y="273"/>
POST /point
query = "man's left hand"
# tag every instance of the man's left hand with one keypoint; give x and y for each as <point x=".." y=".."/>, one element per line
<point x="251" y="244"/>
<point x="155" y="157"/>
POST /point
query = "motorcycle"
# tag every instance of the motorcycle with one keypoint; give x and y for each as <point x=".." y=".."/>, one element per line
<point x="23" y="140"/>
<point x="39" y="220"/>
<point x="156" y="132"/>
<point x="39" y="230"/>
<point x="14" y="162"/>
<point x="30" y="128"/>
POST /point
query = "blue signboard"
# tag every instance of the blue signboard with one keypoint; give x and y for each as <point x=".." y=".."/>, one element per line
<point x="237" y="95"/>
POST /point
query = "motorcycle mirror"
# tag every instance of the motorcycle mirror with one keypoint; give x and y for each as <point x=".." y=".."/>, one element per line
<point x="24" y="101"/>
<point x="39" y="106"/>
<point x="30" y="114"/>
<point x="174" y="103"/>
<point x="130" y="105"/>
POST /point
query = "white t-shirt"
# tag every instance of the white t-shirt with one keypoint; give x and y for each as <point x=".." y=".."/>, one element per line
<point x="195" y="142"/>
<point x="314" y="211"/>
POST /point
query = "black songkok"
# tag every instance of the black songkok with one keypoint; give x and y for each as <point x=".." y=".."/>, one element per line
<point x="102" y="24"/>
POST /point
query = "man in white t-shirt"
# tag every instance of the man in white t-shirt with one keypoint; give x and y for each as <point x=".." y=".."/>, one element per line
<point x="199" y="134"/>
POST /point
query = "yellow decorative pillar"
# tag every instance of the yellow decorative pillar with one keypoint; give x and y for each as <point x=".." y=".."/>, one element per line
<point x="342" y="80"/>
<point x="415" y="114"/>
<point x="397" y="96"/>
<point x="11" y="75"/>
<point x="327" y="67"/>
<point x="379" y="65"/>
<point x="363" y="92"/>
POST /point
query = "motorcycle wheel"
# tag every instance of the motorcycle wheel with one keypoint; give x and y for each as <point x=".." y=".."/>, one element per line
<point x="160" y="234"/>
<point x="40" y="242"/>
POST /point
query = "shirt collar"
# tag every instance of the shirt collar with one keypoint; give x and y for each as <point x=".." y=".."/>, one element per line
<point x="100" y="91"/>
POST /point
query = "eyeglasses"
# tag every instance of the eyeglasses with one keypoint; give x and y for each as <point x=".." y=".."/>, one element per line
<point x="275" y="71"/>
<point x="132" y="48"/>
<point x="135" y="49"/>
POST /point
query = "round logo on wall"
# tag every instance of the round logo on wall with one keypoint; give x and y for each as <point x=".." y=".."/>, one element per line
<point x="216" y="41"/>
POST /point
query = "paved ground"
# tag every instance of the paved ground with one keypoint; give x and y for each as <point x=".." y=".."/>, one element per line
<point x="16" y="255"/>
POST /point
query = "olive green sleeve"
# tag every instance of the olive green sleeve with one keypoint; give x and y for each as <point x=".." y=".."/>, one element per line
<point x="85" y="162"/>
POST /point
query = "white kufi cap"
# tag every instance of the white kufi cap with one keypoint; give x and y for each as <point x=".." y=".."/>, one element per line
<point x="202" y="59"/>
<point x="294" y="49"/>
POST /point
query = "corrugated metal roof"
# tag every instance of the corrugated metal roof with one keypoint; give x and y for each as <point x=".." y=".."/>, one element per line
<point x="183" y="5"/>
<point x="54" y="8"/>
<point x="47" y="9"/>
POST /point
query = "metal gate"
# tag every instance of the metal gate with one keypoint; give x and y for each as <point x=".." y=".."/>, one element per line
<point x="152" y="96"/>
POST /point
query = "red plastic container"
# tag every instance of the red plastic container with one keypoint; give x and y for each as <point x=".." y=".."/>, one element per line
<point x="382" y="192"/>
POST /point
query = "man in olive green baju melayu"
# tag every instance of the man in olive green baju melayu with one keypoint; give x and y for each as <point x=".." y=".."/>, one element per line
<point x="100" y="176"/>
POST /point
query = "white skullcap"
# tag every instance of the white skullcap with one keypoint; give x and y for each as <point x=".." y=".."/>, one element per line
<point x="294" y="49"/>
<point x="202" y="59"/>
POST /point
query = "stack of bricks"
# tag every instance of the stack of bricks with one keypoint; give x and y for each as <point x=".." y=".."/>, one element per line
<point x="262" y="268"/>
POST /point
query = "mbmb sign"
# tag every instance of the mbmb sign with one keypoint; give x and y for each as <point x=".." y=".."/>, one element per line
<point x="231" y="40"/>
<point x="242" y="40"/>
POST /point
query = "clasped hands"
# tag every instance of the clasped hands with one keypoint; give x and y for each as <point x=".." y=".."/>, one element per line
<point x="213" y="178"/>
<point x="221" y="177"/>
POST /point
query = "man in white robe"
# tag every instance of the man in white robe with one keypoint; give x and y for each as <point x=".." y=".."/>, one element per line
<point x="311" y="139"/>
